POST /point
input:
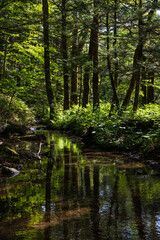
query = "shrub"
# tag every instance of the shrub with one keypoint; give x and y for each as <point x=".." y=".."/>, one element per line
<point x="128" y="132"/>
<point x="14" y="110"/>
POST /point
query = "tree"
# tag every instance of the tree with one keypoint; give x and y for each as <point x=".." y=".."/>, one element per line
<point x="113" y="79"/>
<point x="65" y="57"/>
<point x="95" y="42"/>
<point x="47" y="58"/>
<point x="74" y="67"/>
<point x="143" y="30"/>
<point x="86" y="75"/>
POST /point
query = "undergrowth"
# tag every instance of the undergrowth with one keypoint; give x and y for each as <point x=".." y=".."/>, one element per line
<point x="129" y="131"/>
<point x="14" y="110"/>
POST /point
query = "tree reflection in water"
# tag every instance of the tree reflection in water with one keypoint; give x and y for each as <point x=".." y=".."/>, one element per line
<point x="94" y="195"/>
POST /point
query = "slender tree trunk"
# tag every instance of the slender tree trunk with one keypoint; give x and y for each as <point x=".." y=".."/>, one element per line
<point x="74" y="70"/>
<point x="95" y="41"/>
<point x="86" y="76"/>
<point x="141" y="40"/>
<point x="47" y="58"/>
<point x="115" y="45"/>
<point x="115" y="97"/>
<point x="65" y="58"/>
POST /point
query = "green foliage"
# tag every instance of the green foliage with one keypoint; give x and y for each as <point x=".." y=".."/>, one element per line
<point x="78" y="119"/>
<point x="128" y="132"/>
<point x="13" y="109"/>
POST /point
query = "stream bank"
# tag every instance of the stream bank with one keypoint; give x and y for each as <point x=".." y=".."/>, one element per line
<point x="14" y="157"/>
<point x="72" y="192"/>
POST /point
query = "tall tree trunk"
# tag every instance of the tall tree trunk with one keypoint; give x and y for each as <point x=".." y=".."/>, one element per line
<point x="113" y="84"/>
<point x="115" y="45"/>
<point x="74" y="70"/>
<point x="95" y="40"/>
<point x="65" y="58"/>
<point x="47" y="58"/>
<point x="141" y="36"/>
<point x="86" y="76"/>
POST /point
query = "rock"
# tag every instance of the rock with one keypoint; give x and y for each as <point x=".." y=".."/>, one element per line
<point x="9" y="171"/>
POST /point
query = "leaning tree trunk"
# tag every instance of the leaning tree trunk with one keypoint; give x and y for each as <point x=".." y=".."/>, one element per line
<point x="65" y="58"/>
<point x="135" y="75"/>
<point x="138" y="58"/>
<point x="47" y="58"/>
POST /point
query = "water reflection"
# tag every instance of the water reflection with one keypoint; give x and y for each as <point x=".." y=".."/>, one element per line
<point x="74" y="195"/>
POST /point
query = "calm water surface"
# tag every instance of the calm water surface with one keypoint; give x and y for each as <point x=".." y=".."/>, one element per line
<point x="79" y="195"/>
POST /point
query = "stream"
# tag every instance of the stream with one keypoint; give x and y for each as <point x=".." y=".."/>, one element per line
<point x="75" y="193"/>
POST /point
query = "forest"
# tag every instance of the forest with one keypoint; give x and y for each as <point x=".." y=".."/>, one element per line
<point x="90" y="67"/>
<point x="79" y="119"/>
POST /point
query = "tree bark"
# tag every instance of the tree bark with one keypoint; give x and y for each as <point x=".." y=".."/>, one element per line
<point x="113" y="84"/>
<point x="65" y="58"/>
<point x="115" y="45"/>
<point x="86" y="76"/>
<point x="49" y="90"/>
<point x="140" y="57"/>
<point x="74" y="70"/>
<point x="95" y="41"/>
